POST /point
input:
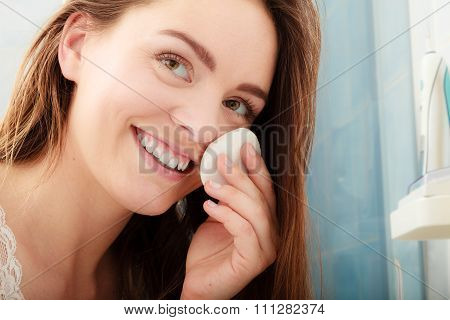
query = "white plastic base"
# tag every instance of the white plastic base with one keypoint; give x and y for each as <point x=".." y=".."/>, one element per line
<point x="425" y="212"/>
<point x="422" y="219"/>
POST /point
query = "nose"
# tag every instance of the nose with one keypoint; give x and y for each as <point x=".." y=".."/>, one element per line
<point x="197" y="136"/>
<point x="202" y="135"/>
<point x="200" y="124"/>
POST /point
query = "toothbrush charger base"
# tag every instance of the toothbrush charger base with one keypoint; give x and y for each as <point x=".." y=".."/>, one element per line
<point x="424" y="218"/>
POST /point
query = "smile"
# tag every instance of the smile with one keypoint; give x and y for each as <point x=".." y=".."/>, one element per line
<point x="163" y="154"/>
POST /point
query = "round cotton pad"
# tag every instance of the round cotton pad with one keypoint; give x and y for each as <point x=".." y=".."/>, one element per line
<point x="229" y="143"/>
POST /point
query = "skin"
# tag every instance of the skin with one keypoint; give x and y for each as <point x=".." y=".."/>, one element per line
<point x="98" y="182"/>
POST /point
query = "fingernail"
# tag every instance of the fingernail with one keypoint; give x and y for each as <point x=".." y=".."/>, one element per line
<point x="228" y="162"/>
<point x="211" y="203"/>
<point x="214" y="184"/>
<point x="252" y="150"/>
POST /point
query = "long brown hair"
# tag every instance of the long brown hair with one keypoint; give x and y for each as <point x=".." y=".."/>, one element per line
<point x="151" y="250"/>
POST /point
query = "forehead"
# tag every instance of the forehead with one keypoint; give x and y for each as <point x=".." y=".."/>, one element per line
<point x="239" y="34"/>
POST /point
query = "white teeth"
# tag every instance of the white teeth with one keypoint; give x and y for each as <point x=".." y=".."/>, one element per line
<point x="182" y="165"/>
<point x="173" y="163"/>
<point x="144" y="141"/>
<point x="152" y="147"/>
<point x="165" y="157"/>
<point x="158" y="151"/>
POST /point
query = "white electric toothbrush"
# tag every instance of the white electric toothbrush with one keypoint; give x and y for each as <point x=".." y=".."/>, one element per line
<point x="435" y="112"/>
<point x="424" y="213"/>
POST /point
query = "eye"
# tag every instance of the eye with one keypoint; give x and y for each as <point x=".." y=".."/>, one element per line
<point x="175" y="63"/>
<point x="243" y="108"/>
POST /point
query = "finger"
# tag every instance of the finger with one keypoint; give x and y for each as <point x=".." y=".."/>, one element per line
<point x="239" y="179"/>
<point x="252" y="183"/>
<point x="254" y="212"/>
<point x="259" y="174"/>
<point x="248" y="249"/>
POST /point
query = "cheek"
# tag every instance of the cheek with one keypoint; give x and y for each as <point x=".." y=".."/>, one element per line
<point x="123" y="84"/>
<point x="142" y="95"/>
<point x="124" y="95"/>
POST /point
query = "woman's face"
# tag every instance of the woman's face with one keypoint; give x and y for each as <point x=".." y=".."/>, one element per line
<point x="147" y="72"/>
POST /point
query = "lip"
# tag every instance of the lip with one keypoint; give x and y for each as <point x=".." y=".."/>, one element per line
<point x="167" y="146"/>
<point x="153" y="165"/>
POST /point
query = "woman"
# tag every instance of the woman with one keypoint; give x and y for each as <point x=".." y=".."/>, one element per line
<point x="96" y="216"/>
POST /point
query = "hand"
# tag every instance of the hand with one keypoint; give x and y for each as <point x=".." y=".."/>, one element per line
<point x="239" y="239"/>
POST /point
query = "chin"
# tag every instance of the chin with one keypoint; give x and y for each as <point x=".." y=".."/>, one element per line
<point x="154" y="209"/>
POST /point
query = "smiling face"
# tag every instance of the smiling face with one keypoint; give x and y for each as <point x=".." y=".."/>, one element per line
<point x="181" y="71"/>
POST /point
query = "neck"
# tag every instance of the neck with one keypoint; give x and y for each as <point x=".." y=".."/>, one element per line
<point x="66" y="222"/>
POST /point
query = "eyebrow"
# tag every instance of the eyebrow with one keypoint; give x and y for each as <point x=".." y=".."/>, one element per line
<point x="207" y="58"/>
<point x="202" y="53"/>
<point x="255" y="90"/>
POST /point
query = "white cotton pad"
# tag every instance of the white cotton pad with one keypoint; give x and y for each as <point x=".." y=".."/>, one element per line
<point x="229" y="143"/>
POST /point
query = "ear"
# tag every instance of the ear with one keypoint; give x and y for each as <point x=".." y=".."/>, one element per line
<point x="71" y="44"/>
